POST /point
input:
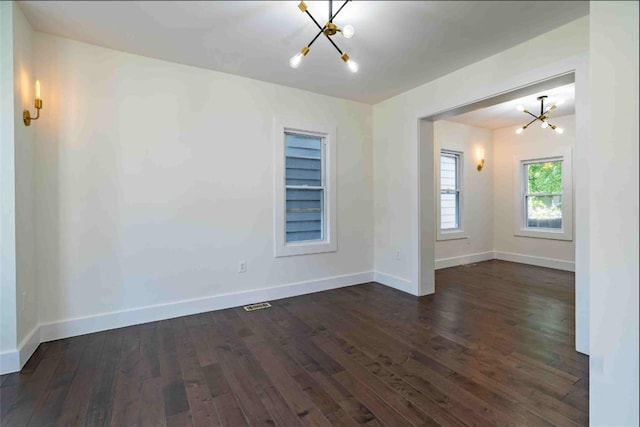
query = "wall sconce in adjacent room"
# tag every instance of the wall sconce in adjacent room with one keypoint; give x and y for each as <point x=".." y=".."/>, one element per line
<point x="26" y="116"/>
<point x="480" y="158"/>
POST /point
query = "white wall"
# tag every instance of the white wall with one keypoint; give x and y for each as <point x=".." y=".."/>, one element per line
<point x="396" y="160"/>
<point x="17" y="225"/>
<point x="613" y="50"/>
<point x="25" y="138"/>
<point x="535" y="141"/>
<point x="155" y="179"/>
<point x="7" y="187"/>
<point x="477" y="186"/>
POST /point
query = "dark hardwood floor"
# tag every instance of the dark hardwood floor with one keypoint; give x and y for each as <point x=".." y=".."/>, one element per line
<point x="493" y="346"/>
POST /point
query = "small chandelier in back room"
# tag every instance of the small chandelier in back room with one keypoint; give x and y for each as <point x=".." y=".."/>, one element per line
<point x="543" y="117"/>
<point x="329" y="29"/>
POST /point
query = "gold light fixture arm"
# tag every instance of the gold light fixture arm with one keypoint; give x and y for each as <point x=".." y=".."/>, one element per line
<point x="530" y="113"/>
<point x="528" y="124"/>
<point x="26" y="115"/>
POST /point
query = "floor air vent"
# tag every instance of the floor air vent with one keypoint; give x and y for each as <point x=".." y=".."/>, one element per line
<point x="259" y="306"/>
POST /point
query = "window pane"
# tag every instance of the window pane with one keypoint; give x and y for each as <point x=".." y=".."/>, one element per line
<point x="449" y="212"/>
<point x="545" y="177"/>
<point x="304" y="216"/>
<point x="544" y="212"/>
<point x="303" y="160"/>
<point x="448" y="172"/>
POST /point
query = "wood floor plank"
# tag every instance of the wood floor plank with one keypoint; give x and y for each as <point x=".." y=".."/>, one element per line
<point x="287" y="386"/>
<point x="127" y="398"/>
<point x="406" y="408"/>
<point x="75" y="406"/>
<point x="152" y="403"/>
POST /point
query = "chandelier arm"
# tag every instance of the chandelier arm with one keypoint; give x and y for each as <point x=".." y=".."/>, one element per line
<point x="527" y="125"/>
<point x="531" y="114"/>
<point x="315" y="38"/>
<point x="336" y="14"/>
<point x="314" y="20"/>
<point x="334" y="45"/>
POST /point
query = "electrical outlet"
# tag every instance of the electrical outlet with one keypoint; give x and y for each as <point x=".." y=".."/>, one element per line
<point x="242" y="267"/>
<point x="397" y="255"/>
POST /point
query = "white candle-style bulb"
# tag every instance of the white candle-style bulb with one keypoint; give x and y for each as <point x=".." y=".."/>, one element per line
<point x="348" y="31"/>
<point x="353" y="66"/>
<point x="519" y="131"/>
<point x="560" y="130"/>
<point x="520" y="108"/>
<point x="37" y="89"/>
<point x="295" y="60"/>
<point x="544" y="125"/>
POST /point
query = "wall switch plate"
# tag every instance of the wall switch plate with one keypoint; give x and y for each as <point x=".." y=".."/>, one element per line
<point x="242" y="267"/>
<point x="397" y="255"/>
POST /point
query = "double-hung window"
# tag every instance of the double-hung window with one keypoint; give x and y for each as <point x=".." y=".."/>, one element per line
<point x="305" y="190"/>
<point x="305" y="187"/>
<point x="450" y="198"/>
<point x="544" y="199"/>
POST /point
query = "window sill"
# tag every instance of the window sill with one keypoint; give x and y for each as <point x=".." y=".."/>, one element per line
<point x="544" y="234"/>
<point x="305" y="248"/>
<point x="451" y="235"/>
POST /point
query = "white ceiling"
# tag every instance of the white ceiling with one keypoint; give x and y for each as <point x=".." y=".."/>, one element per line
<point x="399" y="45"/>
<point x="506" y="114"/>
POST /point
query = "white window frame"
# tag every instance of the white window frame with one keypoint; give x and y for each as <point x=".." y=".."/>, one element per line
<point x="458" y="233"/>
<point x="520" y="187"/>
<point x="330" y="238"/>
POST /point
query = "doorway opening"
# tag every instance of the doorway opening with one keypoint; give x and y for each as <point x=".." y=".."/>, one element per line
<point x="487" y="192"/>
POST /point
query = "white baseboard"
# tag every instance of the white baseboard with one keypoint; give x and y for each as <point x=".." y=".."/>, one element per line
<point x="398" y="283"/>
<point x="462" y="260"/>
<point x="9" y="362"/>
<point x="118" y="319"/>
<point x="534" y="260"/>
<point x="14" y="360"/>
<point x="29" y="345"/>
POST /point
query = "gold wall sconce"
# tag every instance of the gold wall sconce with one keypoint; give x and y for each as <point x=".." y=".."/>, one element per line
<point x="480" y="155"/>
<point x="37" y="102"/>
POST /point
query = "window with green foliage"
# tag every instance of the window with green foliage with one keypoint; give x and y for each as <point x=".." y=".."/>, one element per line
<point x="543" y="194"/>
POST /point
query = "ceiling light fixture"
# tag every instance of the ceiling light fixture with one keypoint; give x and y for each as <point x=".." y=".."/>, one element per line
<point x="329" y="29"/>
<point x="542" y="117"/>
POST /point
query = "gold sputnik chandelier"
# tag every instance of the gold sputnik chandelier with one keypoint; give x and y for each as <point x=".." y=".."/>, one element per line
<point x="329" y="30"/>
<point x="543" y="117"/>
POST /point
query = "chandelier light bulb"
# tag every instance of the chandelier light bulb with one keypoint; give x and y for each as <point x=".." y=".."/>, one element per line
<point x="348" y="31"/>
<point x="544" y="125"/>
<point x="559" y="130"/>
<point x="353" y="66"/>
<point x="520" y="108"/>
<point x="295" y="60"/>
<point x="519" y="131"/>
